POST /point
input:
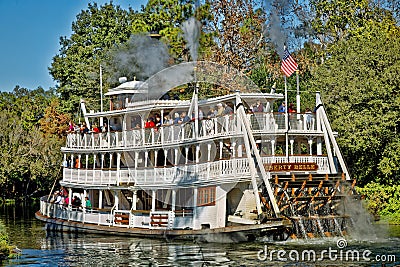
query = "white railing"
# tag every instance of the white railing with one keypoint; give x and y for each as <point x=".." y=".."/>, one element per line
<point x="135" y="219"/>
<point x="173" y="134"/>
<point x="218" y="171"/>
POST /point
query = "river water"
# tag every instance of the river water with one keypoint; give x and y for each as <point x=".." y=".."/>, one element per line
<point x="380" y="248"/>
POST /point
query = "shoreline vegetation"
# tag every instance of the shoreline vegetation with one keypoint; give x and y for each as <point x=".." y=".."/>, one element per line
<point x="382" y="201"/>
<point x="6" y="249"/>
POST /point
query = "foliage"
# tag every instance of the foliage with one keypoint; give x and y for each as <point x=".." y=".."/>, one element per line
<point x="4" y="246"/>
<point x="382" y="200"/>
<point x="29" y="161"/>
<point x="76" y="67"/>
<point x="360" y="86"/>
<point x="237" y="27"/>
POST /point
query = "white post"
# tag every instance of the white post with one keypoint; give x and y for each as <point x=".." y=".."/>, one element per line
<point x="100" y="199"/>
<point x="194" y="207"/>
<point x="134" y="200"/>
<point x="173" y="199"/>
<point x="153" y="200"/>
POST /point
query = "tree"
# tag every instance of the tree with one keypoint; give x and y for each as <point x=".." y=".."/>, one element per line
<point x="360" y="85"/>
<point x="237" y="28"/>
<point x="76" y="67"/>
<point x="29" y="161"/>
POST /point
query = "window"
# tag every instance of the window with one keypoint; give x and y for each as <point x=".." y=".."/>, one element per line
<point x="206" y="196"/>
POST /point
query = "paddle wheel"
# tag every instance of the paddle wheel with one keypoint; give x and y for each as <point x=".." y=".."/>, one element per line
<point x="318" y="205"/>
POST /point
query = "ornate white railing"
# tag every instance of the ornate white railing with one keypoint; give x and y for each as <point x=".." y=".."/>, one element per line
<point x="218" y="171"/>
<point x="135" y="219"/>
<point x="208" y="128"/>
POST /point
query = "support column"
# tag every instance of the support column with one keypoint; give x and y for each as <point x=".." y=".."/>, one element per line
<point x="273" y="147"/>
<point x="86" y="166"/>
<point x="291" y="145"/>
<point x="186" y="156"/>
<point x="100" y="199"/>
<point x="153" y="200"/>
<point x="116" y="199"/>
<point x="197" y="153"/>
<point x="94" y="167"/>
<point x="173" y="199"/>
<point x="109" y="171"/>
<point x="194" y="207"/>
<point x="118" y="168"/>
<point x="176" y="156"/>
<point x="134" y="199"/>
<point x="69" y="198"/>
<point x="310" y="145"/>
<point x="220" y="149"/>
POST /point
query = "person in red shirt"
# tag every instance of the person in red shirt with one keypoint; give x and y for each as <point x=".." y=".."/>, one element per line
<point x="150" y="123"/>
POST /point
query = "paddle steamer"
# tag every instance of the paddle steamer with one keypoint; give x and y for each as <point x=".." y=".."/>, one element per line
<point x="228" y="166"/>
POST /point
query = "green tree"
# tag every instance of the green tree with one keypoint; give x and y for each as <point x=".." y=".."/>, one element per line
<point x="28" y="161"/>
<point x="76" y="67"/>
<point x="360" y="85"/>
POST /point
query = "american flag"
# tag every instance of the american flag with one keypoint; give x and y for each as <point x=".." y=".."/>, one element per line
<point x="288" y="64"/>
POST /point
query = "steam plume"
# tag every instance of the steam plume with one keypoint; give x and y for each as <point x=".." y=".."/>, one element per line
<point x="191" y="32"/>
<point x="141" y="56"/>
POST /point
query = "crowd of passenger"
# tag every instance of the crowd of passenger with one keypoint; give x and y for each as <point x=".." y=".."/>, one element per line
<point x="61" y="197"/>
<point x="178" y="118"/>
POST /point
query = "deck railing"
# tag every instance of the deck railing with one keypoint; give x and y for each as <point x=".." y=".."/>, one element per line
<point x="218" y="171"/>
<point x="175" y="219"/>
<point x="208" y="128"/>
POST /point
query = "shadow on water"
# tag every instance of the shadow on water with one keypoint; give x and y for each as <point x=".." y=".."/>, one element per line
<point x="62" y="249"/>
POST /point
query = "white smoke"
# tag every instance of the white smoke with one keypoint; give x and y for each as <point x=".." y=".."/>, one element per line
<point x="191" y="33"/>
<point x="141" y="56"/>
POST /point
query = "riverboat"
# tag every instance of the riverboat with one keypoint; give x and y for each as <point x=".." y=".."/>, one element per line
<point x="220" y="168"/>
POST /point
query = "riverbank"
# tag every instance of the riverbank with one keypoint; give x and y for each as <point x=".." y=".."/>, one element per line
<point x="382" y="201"/>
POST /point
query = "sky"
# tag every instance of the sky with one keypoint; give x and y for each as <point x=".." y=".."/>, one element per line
<point x="30" y="31"/>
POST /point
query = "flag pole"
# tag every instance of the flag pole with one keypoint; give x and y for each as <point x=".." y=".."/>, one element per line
<point x="286" y="121"/>
<point x="298" y="92"/>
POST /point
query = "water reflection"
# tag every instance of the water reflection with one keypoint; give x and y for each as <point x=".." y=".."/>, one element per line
<point x="63" y="249"/>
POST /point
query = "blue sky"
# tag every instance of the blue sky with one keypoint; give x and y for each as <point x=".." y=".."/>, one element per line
<point x="29" y="37"/>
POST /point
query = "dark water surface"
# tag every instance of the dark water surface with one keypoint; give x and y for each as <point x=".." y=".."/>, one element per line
<point x="59" y="249"/>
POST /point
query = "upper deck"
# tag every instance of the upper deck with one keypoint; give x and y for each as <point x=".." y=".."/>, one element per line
<point x="267" y="124"/>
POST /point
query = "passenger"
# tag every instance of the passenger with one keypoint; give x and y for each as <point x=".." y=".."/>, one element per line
<point x="282" y="107"/>
<point x="84" y="129"/>
<point x="212" y="113"/>
<point x="176" y="118"/>
<point x="258" y="107"/>
<point x="291" y="109"/>
<point x="201" y="114"/>
<point x="308" y="118"/>
<point x="104" y="129"/>
<point x="149" y="123"/>
<point x="183" y="118"/>
<point x="227" y="109"/>
<point x="220" y="110"/>
<point x="88" y="204"/>
<point x="167" y="120"/>
<point x="59" y="198"/>
<point x="78" y="163"/>
<point x="66" y="200"/>
<point x="76" y="202"/>
<point x="95" y="128"/>
<point x="71" y="127"/>
<point x="157" y="120"/>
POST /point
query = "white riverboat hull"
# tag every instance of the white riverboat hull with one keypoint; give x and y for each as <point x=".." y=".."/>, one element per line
<point x="276" y="230"/>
